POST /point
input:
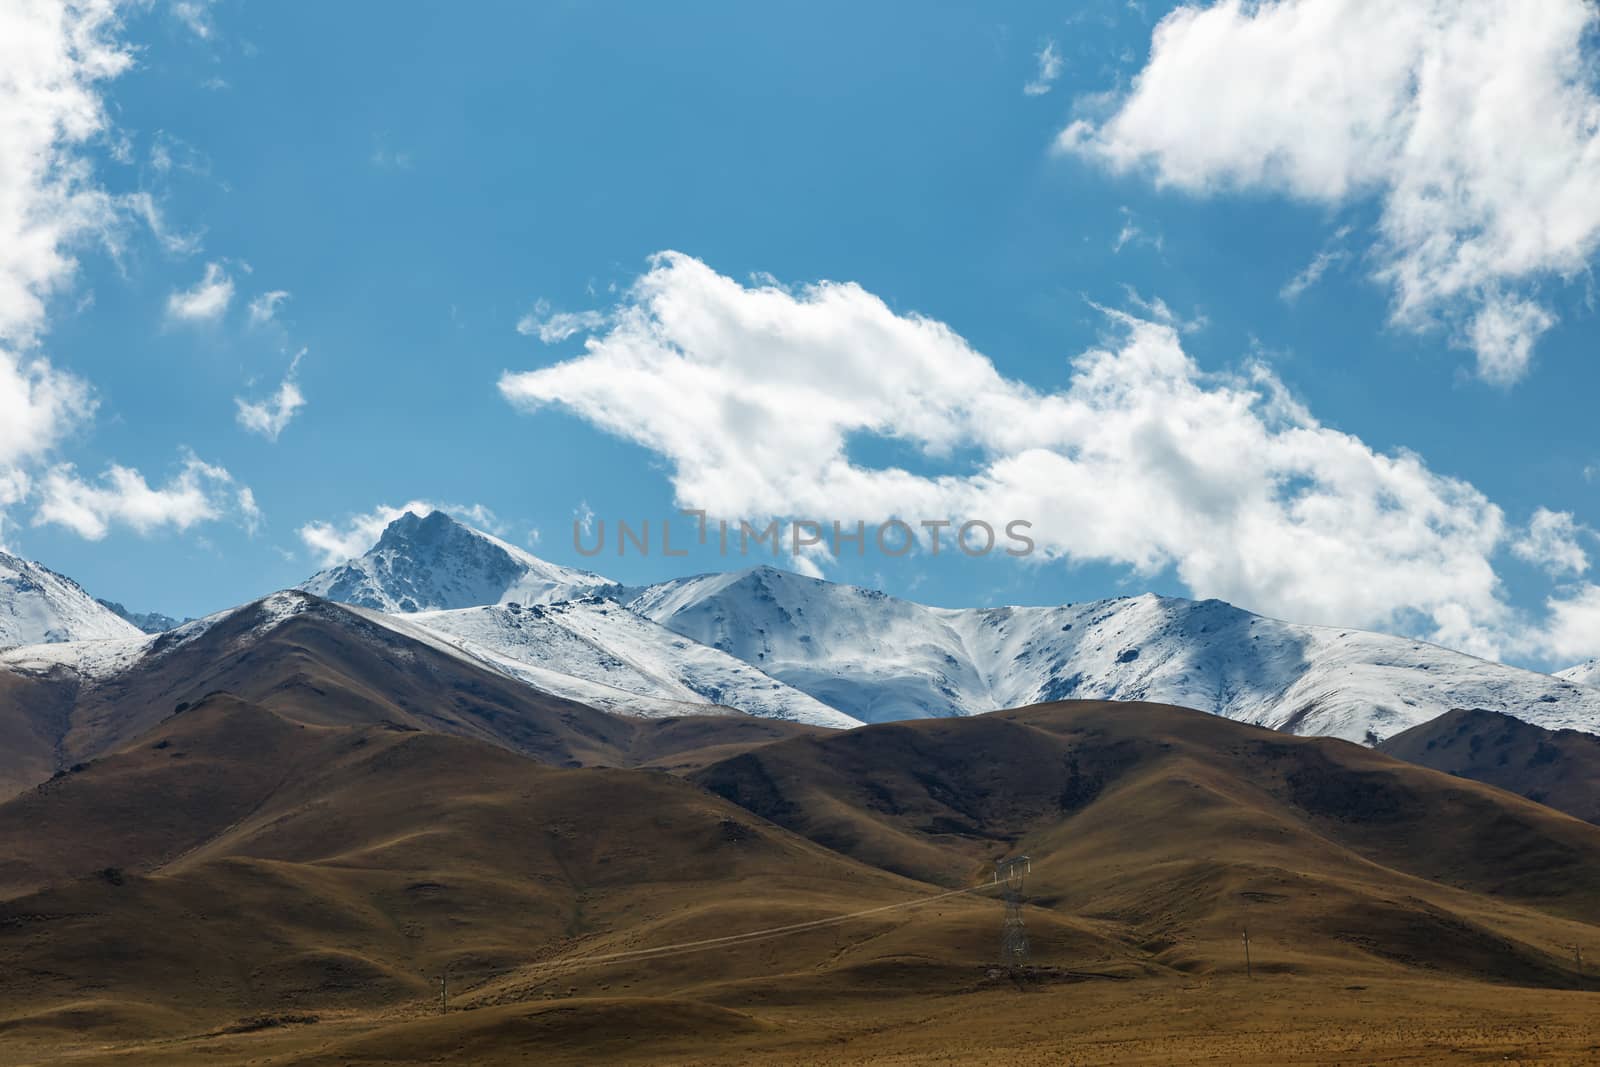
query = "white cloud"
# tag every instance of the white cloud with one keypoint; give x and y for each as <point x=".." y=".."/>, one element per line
<point x="555" y="327"/>
<point x="1049" y="70"/>
<point x="269" y="417"/>
<point x="39" y="405"/>
<point x="206" y="301"/>
<point x="1503" y="333"/>
<point x="198" y="493"/>
<point x="264" y="308"/>
<point x="1551" y="542"/>
<point x="1472" y="121"/>
<point x="333" y="543"/>
<point x="1573" y="629"/>
<point x="751" y="394"/>
<point x="52" y="59"/>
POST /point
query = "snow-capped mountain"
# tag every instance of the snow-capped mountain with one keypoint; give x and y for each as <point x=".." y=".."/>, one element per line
<point x="37" y="605"/>
<point x="596" y="651"/>
<point x="878" y="658"/>
<point x="593" y="651"/>
<point x="1582" y="674"/>
<point x="858" y="654"/>
<point x="151" y="622"/>
<point x="435" y="563"/>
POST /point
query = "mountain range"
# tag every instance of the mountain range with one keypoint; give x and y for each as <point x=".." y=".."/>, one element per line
<point x="780" y="645"/>
<point x="582" y="823"/>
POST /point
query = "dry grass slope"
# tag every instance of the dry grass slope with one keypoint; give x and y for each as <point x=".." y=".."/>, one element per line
<point x="275" y="879"/>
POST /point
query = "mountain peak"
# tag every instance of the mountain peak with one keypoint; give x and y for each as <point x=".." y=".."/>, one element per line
<point x="435" y="562"/>
<point x="430" y="528"/>
<point x="39" y="606"/>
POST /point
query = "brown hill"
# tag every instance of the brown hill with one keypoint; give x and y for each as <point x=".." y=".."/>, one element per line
<point x="1183" y="828"/>
<point x="1558" y="768"/>
<point x="324" y="664"/>
<point x="235" y="863"/>
<point x="203" y="894"/>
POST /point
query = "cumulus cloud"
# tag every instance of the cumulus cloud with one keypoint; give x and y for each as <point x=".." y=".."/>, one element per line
<point x="269" y="417"/>
<point x="752" y="394"/>
<point x="199" y="492"/>
<point x="206" y="301"/>
<point x="1572" y="631"/>
<point x="1049" y="61"/>
<point x="53" y="58"/>
<point x="334" y="542"/>
<point x="264" y="308"/>
<point x="39" y="405"/>
<point x="1551" y="543"/>
<point x="553" y="327"/>
<point x="1473" y="124"/>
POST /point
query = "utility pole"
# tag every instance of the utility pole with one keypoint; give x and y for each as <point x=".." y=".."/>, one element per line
<point x="1244" y="936"/>
<point x="1010" y="874"/>
<point x="1577" y="954"/>
<point x="444" y="992"/>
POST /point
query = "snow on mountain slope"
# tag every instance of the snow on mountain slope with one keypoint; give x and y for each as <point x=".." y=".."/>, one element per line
<point x="594" y="652"/>
<point x="620" y="657"/>
<point x="1582" y="674"/>
<point x="435" y="563"/>
<point x="879" y="658"/>
<point x="37" y="606"/>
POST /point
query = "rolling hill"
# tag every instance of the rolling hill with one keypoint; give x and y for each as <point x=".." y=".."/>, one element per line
<point x="1559" y="768"/>
<point x="322" y="872"/>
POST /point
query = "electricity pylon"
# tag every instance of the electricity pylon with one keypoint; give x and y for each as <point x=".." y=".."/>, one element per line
<point x="1009" y="875"/>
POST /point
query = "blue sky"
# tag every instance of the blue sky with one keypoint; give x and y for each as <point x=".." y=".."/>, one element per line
<point x="420" y="180"/>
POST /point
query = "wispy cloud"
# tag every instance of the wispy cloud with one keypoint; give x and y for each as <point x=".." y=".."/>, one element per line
<point x="264" y="308"/>
<point x="206" y="301"/>
<point x="1331" y="255"/>
<point x="271" y="416"/>
<point x="553" y="327"/>
<point x="195" y="15"/>
<point x="1132" y="233"/>
<point x="1050" y="64"/>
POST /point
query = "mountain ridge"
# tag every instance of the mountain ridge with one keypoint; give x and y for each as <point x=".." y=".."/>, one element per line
<point x="880" y="658"/>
